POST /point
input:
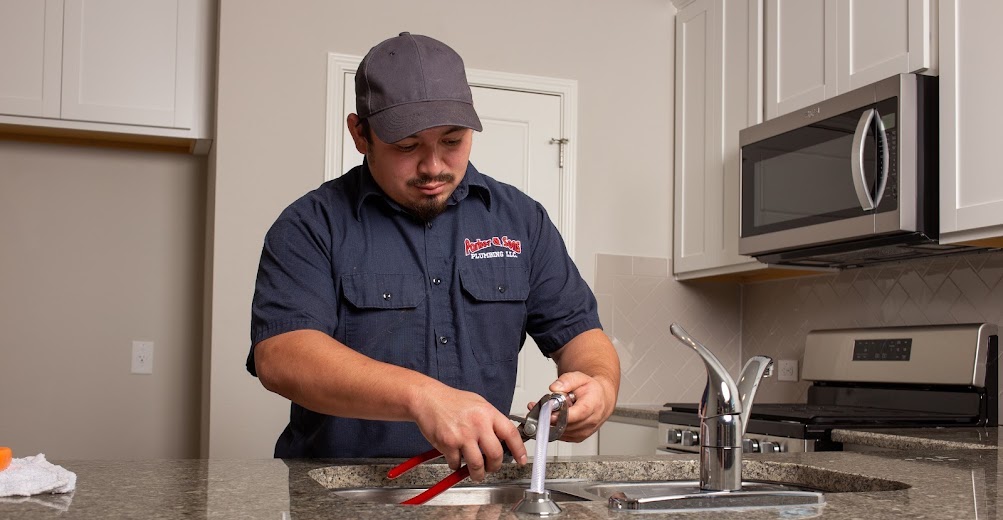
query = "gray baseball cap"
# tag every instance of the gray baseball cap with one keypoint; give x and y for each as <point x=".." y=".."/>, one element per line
<point x="410" y="83"/>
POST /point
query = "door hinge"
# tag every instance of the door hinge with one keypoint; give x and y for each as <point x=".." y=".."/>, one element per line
<point x="560" y="146"/>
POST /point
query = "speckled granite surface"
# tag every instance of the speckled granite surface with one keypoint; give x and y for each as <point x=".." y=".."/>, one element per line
<point x="922" y="438"/>
<point x="911" y="483"/>
<point x="647" y="412"/>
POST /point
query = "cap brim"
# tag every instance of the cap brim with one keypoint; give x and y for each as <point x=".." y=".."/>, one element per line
<point x="397" y="122"/>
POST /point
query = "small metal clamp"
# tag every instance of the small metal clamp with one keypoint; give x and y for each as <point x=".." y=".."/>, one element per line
<point x="529" y="425"/>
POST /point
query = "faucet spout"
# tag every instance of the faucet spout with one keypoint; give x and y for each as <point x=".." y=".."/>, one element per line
<point x="721" y="395"/>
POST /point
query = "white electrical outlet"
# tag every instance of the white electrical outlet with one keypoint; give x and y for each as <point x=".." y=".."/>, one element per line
<point x="787" y="370"/>
<point x="142" y="357"/>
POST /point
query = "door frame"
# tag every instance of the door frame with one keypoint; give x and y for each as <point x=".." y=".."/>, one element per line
<point x="340" y="65"/>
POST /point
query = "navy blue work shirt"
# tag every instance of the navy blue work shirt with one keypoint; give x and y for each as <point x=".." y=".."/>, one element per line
<point x="452" y="299"/>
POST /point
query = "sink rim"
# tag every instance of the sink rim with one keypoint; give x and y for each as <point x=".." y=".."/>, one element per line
<point x="509" y="492"/>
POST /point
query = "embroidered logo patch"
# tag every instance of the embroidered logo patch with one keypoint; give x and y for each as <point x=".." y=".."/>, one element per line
<point x="475" y="248"/>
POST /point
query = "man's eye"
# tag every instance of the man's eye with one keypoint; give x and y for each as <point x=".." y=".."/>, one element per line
<point x="406" y="148"/>
<point x="453" y="142"/>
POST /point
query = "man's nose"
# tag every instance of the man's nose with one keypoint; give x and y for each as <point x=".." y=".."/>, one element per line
<point x="431" y="161"/>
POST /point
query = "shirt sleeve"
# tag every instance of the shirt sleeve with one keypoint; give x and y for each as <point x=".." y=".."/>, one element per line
<point x="560" y="305"/>
<point x="295" y="286"/>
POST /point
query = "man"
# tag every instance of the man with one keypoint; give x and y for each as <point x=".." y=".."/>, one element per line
<point x="391" y="303"/>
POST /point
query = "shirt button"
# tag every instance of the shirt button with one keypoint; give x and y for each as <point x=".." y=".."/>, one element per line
<point x="436" y="281"/>
<point x="443" y="340"/>
<point x="501" y="288"/>
<point x="386" y="296"/>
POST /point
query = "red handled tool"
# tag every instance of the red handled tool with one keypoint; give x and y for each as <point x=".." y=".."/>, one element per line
<point x="527" y="429"/>
<point x="451" y="480"/>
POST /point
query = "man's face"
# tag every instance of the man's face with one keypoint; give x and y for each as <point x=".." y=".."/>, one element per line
<point x="421" y="171"/>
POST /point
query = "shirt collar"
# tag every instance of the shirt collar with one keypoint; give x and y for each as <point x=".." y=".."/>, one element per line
<point x="473" y="182"/>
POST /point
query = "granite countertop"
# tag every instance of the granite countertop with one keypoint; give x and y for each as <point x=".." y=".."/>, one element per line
<point x="921" y="481"/>
<point x="644" y="412"/>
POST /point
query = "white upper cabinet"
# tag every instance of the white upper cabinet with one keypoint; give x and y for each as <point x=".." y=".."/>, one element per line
<point x="30" y="48"/>
<point x="971" y="185"/>
<point x="879" y="39"/>
<point x="124" y="61"/>
<point x="718" y="93"/>
<point x="123" y="66"/>
<point x="816" y="49"/>
<point x="800" y="54"/>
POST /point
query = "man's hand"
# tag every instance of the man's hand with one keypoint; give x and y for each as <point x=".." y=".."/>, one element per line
<point x="468" y="429"/>
<point x="594" y="402"/>
<point x="588" y="366"/>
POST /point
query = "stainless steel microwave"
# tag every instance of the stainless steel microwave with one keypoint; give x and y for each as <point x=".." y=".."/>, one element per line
<point x="846" y="182"/>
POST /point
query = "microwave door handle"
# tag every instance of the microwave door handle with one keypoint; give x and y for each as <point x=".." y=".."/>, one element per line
<point x="857" y="161"/>
<point x="883" y="157"/>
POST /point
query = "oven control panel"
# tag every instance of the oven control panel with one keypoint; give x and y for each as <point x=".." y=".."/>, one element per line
<point x="677" y="438"/>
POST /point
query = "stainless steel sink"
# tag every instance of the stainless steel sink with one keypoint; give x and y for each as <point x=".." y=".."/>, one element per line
<point x="686" y="494"/>
<point x="675" y="494"/>
<point x="507" y="493"/>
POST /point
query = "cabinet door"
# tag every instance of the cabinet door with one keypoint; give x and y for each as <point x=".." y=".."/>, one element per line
<point x="126" y="61"/>
<point x="971" y="186"/>
<point x="800" y="54"/>
<point x="30" y="47"/>
<point x="717" y="94"/>
<point x="698" y="135"/>
<point x="878" y="40"/>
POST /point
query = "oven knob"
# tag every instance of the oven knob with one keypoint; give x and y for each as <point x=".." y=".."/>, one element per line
<point x="750" y="446"/>
<point x="674" y="436"/>
<point x="691" y="438"/>
<point x="770" y="447"/>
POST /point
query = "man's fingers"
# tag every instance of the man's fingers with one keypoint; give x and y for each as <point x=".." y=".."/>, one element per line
<point x="452" y="458"/>
<point x="474" y="459"/>
<point x="509" y="434"/>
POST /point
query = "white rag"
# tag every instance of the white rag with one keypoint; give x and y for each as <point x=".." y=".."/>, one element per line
<point x="33" y="476"/>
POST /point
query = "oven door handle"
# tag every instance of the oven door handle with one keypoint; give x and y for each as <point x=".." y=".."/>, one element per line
<point x="868" y="202"/>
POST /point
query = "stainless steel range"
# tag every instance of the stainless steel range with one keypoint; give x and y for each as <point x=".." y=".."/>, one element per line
<point x="892" y="377"/>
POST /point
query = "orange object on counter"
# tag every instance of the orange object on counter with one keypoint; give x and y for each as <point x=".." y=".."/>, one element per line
<point x="5" y="456"/>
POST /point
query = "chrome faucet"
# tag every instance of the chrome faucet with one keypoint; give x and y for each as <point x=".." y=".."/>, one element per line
<point x="724" y="415"/>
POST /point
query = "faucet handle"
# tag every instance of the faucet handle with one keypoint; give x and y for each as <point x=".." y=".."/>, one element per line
<point x="755" y="369"/>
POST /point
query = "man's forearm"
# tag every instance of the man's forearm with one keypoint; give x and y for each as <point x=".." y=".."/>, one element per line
<point x="592" y="354"/>
<point x="313" y="370"/>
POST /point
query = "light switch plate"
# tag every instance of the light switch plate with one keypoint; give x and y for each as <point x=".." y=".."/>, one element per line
<point x="787" y="370"/>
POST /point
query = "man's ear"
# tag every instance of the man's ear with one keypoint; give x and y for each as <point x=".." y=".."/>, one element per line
<point x="355" y="128"/>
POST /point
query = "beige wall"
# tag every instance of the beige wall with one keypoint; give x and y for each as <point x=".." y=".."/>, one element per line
<point x="99" y="247"/>
<point x="270" y="139"/>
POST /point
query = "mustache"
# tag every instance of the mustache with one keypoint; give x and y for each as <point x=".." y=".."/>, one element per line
<point x="429" y="179"/>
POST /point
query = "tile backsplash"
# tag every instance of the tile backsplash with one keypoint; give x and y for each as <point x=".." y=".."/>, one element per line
<point x="777" y="315"/>
<point x="638" y="300"/>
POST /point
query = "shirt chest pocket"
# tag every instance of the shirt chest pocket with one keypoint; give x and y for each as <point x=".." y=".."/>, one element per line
<point x="384" y="317"/>
<point x="494" y="301"/>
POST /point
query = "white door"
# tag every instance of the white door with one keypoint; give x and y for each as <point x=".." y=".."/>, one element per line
<point x="513" y="148"/>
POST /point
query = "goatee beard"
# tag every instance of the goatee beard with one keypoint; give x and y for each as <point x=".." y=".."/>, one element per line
<point x="431" y="207"/>
<point x="427" y="209"/>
